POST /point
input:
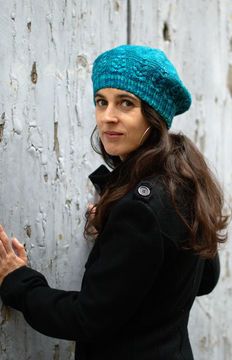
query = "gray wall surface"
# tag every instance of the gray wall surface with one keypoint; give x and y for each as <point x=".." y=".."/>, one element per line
<point x="46" y="117"/>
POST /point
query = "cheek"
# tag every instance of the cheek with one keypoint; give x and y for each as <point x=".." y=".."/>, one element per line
<point x="138" y="129"/>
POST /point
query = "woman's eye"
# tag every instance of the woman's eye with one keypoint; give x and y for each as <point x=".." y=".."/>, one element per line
<point x="100" y="102"/>
<point x="127" y="103"/>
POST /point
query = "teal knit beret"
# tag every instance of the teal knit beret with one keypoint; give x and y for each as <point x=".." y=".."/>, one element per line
<point x="146" y="73"/>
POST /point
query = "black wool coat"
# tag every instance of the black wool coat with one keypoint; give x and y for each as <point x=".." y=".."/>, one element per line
<point x="138" y="286"/>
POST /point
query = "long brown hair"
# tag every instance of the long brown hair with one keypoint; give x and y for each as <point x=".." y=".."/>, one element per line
<point x="184" y="172"/>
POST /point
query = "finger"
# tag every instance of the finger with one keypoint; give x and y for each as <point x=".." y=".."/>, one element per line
<point x="3" y="253"/>
<point x="91" y="208"/>
<point x="19" y="248"/>
<point x="5" y="240"/>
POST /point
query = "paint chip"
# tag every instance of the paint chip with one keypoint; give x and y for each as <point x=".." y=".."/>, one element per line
<point x="56" y="146"/>
<point x="82" y="61"/>
<point x="27" y="228"/>
<point x="229" y="79"/>
<point x="166" y="32"/>
<point x="56" y="352"/>
<point x="68" y="203"/>
<point x="34" y="75"/>
<point x="29" y="26"/>
<point x="2" y="124"/>
<point x="116" y="6"/>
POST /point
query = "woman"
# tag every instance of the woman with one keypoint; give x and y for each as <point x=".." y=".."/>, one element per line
<point x="156" y="225"/>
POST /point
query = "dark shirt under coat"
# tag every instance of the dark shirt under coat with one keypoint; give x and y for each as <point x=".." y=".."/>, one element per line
<point x="137" y="289"/>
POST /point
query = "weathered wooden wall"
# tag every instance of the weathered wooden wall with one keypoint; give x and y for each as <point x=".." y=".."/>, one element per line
<point x="46" y="118"/>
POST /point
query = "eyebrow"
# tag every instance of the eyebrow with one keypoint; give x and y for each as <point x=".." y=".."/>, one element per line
<point x="119" y="96"/>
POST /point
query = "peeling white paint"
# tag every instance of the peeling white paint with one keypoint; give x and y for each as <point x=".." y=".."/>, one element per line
<point x="44" y="189"/>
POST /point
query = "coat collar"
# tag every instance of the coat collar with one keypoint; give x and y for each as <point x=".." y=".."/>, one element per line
<point x="99" y="178"/>
<point x="102" y="176"/>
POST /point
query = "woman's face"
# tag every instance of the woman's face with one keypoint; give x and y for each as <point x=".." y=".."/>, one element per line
<point x="120" y="121"/>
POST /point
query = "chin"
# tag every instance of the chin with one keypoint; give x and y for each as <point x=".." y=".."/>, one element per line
<point x="112" y="152"/>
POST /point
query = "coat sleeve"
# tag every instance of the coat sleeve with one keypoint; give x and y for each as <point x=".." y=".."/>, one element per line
<point x="210" y="276"/>
<point x="131" y="252"/>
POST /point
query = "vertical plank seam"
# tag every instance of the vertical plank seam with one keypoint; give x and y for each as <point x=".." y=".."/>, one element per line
<point x="128" y="21"/>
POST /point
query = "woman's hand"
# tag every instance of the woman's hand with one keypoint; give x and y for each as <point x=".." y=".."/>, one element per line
<point x="91" y="210"/>
<point x="12" y="255"/>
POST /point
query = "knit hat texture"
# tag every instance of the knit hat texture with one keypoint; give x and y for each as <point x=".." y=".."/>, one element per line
<point x="145" y="72"/>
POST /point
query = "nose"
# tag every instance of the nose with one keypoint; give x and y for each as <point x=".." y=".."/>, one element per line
<point x="110" y="114"/>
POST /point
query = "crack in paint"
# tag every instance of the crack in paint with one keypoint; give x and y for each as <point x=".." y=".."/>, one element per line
<point x="56" y="354"/>
<point x="128" y="21"/>
<point x="56" y="146"/>
<point x="5" y="314"/>
<point x="2" y="124"/>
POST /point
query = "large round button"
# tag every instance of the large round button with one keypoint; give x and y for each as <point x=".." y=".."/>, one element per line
<point x="144" y="190"/>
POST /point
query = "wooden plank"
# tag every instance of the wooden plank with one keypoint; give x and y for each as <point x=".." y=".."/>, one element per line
<point x="196" y="36"/>
<point x="46" y="119"/>
<point x="47" y="116"/>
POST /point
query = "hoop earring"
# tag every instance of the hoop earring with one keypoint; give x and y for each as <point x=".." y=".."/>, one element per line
<point x="144" y="135"/>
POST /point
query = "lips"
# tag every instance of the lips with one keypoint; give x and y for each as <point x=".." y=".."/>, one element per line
<point x="112" y="133"/>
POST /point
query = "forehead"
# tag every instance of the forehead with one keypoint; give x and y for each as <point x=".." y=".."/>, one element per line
<point x="112" y="92"/>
